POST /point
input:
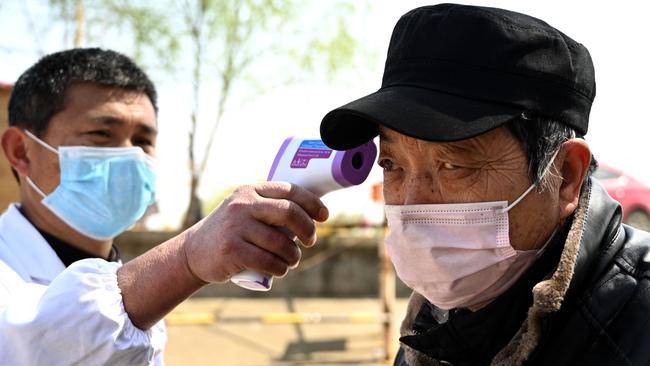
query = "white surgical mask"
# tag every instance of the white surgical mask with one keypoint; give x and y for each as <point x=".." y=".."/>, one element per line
<point x="456" y="255"/>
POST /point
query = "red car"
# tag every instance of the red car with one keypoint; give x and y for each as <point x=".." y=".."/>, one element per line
<point x="633" y="195"/>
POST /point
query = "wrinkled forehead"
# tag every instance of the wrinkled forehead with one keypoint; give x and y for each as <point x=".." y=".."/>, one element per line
<point x="490" y="142"/>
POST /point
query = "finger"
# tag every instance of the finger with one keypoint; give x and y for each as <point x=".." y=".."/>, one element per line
<point x="273" y="240"/>
<point x="285" y="213"/>
<point x="292" y="192"/>
<point x="259" y="260"/>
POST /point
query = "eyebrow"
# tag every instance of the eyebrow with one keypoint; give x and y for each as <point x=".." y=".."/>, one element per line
<point x="384" y="137"/>
<point x="450" y="147"/>
<point x="112" y="121"/>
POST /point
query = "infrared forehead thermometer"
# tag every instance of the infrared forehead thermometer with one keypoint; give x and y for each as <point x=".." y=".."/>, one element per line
<point x="312" y="165"/>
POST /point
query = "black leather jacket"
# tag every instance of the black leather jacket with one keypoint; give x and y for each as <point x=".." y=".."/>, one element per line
<point x="604" y="317"/>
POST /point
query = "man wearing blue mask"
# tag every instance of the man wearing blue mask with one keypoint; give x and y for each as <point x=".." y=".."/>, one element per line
<point x="81" y="141"/>
<point x="515" y="255"/>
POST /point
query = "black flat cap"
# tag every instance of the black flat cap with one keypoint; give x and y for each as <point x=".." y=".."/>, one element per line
<point x="455" y="71"/>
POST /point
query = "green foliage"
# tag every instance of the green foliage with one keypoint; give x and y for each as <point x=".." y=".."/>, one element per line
<point x="143" y="29"/>
<point x="336" y="50"/>
<point x="150" y="27"/>
<point x="64" y="9"/>
<point x="156" y="33"/>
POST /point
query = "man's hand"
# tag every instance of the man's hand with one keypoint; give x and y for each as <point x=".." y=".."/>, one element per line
<point x="250" y="230"/>
<point x="247" y="232"/>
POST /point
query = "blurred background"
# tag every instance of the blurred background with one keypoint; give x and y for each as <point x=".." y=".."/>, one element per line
<point x="235" y="78"/>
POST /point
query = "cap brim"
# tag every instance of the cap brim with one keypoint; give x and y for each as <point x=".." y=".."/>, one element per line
<point x="417" y="112"/>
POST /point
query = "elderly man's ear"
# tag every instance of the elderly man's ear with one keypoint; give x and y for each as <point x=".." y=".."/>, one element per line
<point x="574" y="160"/>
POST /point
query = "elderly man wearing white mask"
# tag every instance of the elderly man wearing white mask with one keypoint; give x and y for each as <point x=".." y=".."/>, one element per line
<point x="515" y="255"/>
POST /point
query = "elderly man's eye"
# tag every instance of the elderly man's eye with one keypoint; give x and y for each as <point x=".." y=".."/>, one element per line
<point x="450" y="166"/>
<point x="386" y="164"/>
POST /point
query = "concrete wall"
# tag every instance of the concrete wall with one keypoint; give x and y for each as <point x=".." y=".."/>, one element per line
<point x="339" y="265"/>
<point x="8" y="185"/>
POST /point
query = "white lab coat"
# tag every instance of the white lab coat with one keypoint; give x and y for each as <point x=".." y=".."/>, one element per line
<point x="52" y="315"/>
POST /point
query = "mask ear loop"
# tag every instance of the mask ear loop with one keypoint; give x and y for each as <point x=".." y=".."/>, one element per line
<point x="523" y="195"/>
<point x="46" y="146"/>
<point x="33" y="185"/>
<point x="40" y="142"/>
<point x="515" y="202"/>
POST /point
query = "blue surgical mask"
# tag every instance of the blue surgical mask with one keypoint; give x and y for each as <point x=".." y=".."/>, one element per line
<point x="103" y="190"/>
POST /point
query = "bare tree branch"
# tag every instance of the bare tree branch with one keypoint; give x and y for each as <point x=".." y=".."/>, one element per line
<point x="80" y="19"/>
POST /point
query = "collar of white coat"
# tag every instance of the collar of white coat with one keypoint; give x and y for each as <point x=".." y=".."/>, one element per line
<point x="33" y="258"/>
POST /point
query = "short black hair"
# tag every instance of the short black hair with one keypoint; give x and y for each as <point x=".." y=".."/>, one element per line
<point x="40" y="92"/>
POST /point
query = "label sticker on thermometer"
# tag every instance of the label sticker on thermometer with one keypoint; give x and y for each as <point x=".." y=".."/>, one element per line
<point x="310" y="149"/>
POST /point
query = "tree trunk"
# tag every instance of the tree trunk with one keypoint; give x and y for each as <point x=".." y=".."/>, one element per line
<point x="79" y="23"/>
<point x="194" y="212"/>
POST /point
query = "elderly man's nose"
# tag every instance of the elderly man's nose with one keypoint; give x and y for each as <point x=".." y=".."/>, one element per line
<point x="421" y="190"/>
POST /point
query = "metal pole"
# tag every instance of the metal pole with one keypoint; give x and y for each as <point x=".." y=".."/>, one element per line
<point x="387" y="293"/>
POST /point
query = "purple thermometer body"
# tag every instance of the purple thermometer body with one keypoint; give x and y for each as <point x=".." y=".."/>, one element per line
<point x="309" y="163"/>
